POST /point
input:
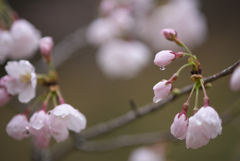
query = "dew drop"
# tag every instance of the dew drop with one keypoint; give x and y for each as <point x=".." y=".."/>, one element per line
<point x="162" y="68"/>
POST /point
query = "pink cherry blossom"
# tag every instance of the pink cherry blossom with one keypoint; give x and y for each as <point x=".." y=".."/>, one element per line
<point x="163" y="58"/>
<point x="161" y="90"/>
<point x="205" y="124"/>
<point x="123" y="59"/>
<point x="46" y="45"/>
<point x="146" y="154"/>
<point x="179" y="126"/>
<point x="235" y="80"/>
<point x="169" y="33"/>
<point x="25" y="38"/>
<point x="23" y="80"/>
<point x="18" y="127"/>
<point x="72" y="118"/>
<point x="37" y="122"/>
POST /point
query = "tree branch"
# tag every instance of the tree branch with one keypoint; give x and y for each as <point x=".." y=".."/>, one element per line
<point x="141" y="139"/>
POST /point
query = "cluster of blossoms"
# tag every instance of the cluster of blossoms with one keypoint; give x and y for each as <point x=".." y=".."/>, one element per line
<point x="22" y="81"/>
<point x="123" y="26"/>
<point x="18" y="37"/>
<point x="205" y="122"/>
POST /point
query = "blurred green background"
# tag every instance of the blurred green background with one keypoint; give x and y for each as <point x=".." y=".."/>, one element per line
<point x="100" y="99"/>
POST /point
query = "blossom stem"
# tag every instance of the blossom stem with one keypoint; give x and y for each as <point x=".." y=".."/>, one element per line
<point x="196" y="100"/>
<point x="188" y="100"/>
<point x="180" y="69"/>
<point x="186" y="48"/>
<point x="206" y="99"/>
<point x="54" y="98"/>
<point x="60" y="97"/>
<point x="190" y="55"/>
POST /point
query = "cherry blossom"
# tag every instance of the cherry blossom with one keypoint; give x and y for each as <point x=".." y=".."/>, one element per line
<point x="18" y="127"/>
<point x="235" y="80"/>
<point x="146" y="154"/>
<point x="123" y="59"/>
<point x="205" y="124"/>
<point x="46" y="45"/>
<point x="37" y="122"/>
<point x="161" y="90"/>
<point x="25" y="39"/>
<point x="23" y="80"/>
<point x="179" y="126"/>
<point x="65" y="117"/>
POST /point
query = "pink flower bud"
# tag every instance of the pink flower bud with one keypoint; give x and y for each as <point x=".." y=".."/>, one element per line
<point x="179" y="126"/>
<point x="17" y="127"/>
<point x="169" y="33"/>
<point x="205" y="124"/>
<point x="46" y="44"/>
<point x="37" y="122"/>
<point x="165" y="57"/>
<point x="235" y="80"/>
<point x="4" y="80"/>
<point x="42" y="140"/>
<point x="161" y="90"/>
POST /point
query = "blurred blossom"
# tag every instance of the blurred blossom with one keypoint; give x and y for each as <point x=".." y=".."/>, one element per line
<point x="146" y="154"/>
<point x="102" y="30"/>
<point x="123" y="19"/>
<point x="25" y="37"/>
<point x="183" y="16"/>
<point x="141" y="7"/>
<point x="123" y="59"/>
<point x="235" y="80"/>
<point x="107" y="6"/>
<point x="20" y="42"/>
<point x="6" y="43"/>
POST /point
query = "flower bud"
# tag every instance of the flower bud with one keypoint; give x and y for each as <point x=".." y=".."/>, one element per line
<point x="17" y="127"/>
<point x="169" y="34"/>
<point x="161" y="90"/>
<point x="179" y="126"/>
<point x="235" y="80"/>
<point x="46" y="44"/>
<point x="37" y="122"/>
<point x="163" y="58"/>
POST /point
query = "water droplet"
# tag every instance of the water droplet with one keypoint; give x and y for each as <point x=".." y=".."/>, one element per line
<point x="162" y="68"/>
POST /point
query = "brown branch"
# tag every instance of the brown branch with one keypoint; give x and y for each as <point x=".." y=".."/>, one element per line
<point x="141" y="139"/>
